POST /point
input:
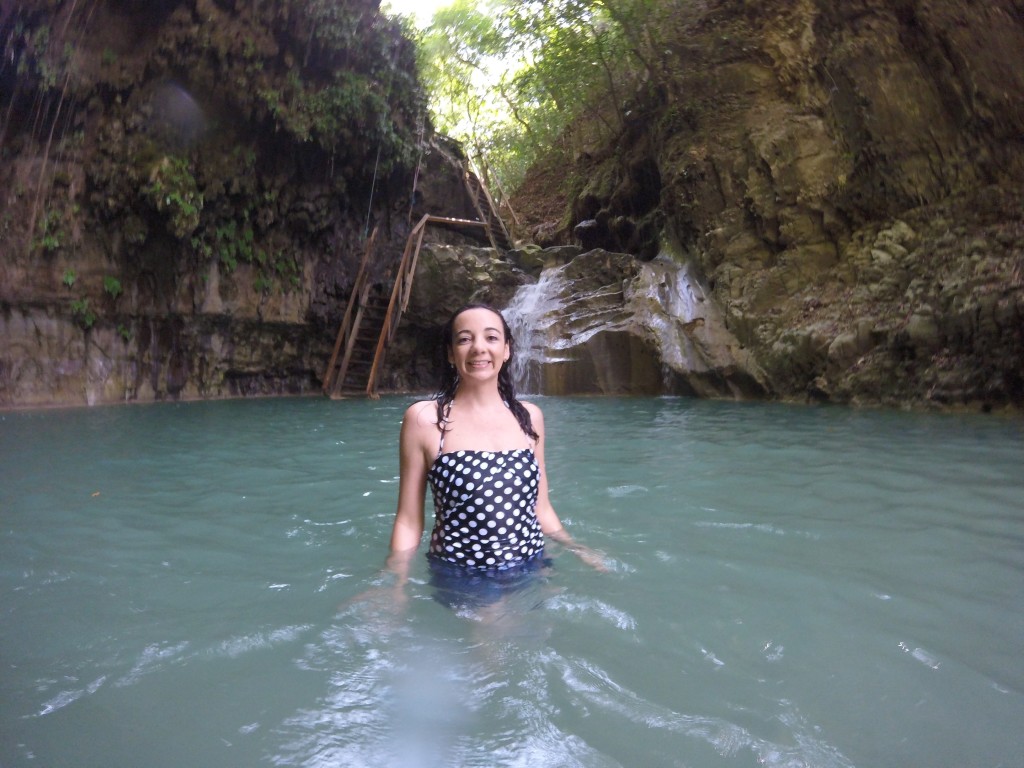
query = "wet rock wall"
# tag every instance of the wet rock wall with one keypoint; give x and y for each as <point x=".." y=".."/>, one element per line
<point x="845" y="178"/>
<point x="186" y="187"/>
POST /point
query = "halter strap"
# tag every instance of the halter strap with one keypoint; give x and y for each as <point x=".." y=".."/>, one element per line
<point x="443" y="426"/>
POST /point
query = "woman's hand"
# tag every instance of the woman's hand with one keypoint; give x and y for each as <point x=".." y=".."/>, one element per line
<point x="385" y="602"/>
<point x="592" y="557"/>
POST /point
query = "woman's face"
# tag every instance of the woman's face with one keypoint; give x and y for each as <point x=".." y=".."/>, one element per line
<point x="478" y="344"/>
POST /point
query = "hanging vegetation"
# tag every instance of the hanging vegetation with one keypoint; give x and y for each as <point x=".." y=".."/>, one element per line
<point x="194" y="118"/>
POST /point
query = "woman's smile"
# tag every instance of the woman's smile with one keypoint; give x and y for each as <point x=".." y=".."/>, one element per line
<point x="478" y="342"/>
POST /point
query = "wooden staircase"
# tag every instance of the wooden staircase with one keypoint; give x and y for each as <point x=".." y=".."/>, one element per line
<point x="371" y="318"/>
<point x="355" y="344"/>
<point x="358" y="362"/>
<point x="486" y="210"/>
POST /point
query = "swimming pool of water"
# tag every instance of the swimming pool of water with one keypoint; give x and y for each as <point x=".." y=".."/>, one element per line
<point x="200" y="585"/>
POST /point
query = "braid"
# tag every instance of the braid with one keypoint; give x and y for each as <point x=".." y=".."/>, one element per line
<point x="508" y="393"/>
<point x="450" y="377"/>
<point x="446" y="396"/>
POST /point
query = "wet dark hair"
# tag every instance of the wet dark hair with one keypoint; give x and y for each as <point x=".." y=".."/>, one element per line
<point x="450" y="377"/>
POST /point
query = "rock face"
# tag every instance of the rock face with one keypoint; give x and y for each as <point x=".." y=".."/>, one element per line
<point x="606" y="323"/>
<point x="187" y="186"/>
<point x="137" y="354"/>
<point x="819" y="200"/>
<point x="845" y="178"/>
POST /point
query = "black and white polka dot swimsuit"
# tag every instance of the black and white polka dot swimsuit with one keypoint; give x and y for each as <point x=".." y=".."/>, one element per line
<point x="485" y="508"/>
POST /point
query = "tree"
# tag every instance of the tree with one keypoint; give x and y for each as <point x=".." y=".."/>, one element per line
<point x="510" y="77"/>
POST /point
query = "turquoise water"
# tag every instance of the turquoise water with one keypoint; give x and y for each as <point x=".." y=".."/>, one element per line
<point x="199" y="585"/>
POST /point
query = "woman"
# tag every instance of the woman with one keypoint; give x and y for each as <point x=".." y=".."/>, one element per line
<point x="482" y="451"/>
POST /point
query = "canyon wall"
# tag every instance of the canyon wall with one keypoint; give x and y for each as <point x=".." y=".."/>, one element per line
<point x="845" y="179"/>
<point x="186" y="188"/>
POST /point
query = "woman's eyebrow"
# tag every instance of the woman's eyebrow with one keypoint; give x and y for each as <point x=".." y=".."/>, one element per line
<point x="467" y="332"/>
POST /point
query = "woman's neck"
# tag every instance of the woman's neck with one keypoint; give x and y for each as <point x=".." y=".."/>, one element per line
<point x="478" y="419"/>
<point x="478" y="398"/>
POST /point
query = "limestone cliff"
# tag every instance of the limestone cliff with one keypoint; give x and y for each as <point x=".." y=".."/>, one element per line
<point x="846" y="180"/>
<point x="186" y="186"/>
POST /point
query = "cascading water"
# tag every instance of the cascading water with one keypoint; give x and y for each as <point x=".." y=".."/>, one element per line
<point x="552" y="320"/>
<point x="605" y="323"/>
<point x="531" y="314"/>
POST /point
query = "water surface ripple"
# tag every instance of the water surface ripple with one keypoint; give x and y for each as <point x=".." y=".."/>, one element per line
<point x="200" y="584"/>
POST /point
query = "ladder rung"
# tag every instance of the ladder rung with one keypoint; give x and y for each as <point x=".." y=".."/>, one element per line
<point x="380" y="310"/>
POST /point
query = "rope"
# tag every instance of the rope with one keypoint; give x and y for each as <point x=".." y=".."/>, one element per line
<point x="383" y="118"/>
<point x="416" y="175"/>
<point x="373" y="185"/>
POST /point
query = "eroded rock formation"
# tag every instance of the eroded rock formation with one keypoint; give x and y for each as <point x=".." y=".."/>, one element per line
<point x="598" y="322"/>
<point x="186" y="187"/>
<point x="845" y="177"/>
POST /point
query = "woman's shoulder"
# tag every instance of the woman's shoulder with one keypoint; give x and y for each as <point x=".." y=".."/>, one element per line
<point x="419" y="426"/>
<point x="422" y="413"/>
<point x="536" y="415"/>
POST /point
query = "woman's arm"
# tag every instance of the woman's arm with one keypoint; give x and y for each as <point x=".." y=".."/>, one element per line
<point x="546" y="515"/>
<point x="412" y="484"/>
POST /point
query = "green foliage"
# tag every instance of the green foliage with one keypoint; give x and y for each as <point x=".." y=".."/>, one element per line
<point x="347" y="84"/>
<point x="262" y="283"/>
<point x="232" y="241"/>
<point x="229" y="246"/>
<point x="335" y="78"/>
<point x="83" y="313"/>
<point x="40" y="55"/>
<point x="112" y="286"/>
<point x="125" y="332"/>
<point x="172" y="190"/>
<point x="288" y="271"/>
<point x="51" y="233"/>
<point x="454" y="55"/>
<point x="69" y="278"/>
<point x="510" y="78"/>
<point x="351" y="109"/>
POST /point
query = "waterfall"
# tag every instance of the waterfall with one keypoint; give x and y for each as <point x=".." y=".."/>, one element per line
<point x="605" y="323"/>
<point x="531" y="315"/>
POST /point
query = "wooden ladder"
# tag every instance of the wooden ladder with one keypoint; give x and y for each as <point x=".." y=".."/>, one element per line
<point x="367" y="318"/>
<point x="486" y="210"/>
<point x="354" y="343"/>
